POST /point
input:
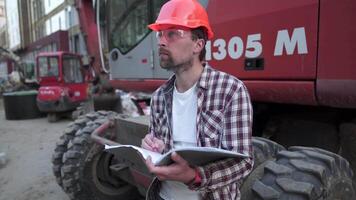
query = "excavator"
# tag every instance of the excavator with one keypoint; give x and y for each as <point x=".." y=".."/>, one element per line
<point x="296" y="59"/>
<point x="19" y="88"/>
<point x="25" y="72"/>
<point x="63" y="86"/>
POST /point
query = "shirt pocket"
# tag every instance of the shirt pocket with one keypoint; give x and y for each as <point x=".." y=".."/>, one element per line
<point x="161" y="125"/>
<point x="212" y="127"/>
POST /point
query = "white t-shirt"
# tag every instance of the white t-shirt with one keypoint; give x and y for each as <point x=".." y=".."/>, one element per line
<point x="184" y="115"/>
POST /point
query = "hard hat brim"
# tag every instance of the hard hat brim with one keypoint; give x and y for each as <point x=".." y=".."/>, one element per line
<point x="162" y="26"/>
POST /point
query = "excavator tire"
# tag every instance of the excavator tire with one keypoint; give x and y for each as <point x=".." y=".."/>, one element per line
<point x="348" y="142"/>
<point x="305" y="173"/>
<point x="263" y="151"/>
<point x="85" y="170"/>
<point x="61" y="145"/>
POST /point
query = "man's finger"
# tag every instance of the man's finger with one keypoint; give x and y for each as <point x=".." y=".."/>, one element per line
<point x="146" y="146"/>
<point x="158" y="143"/>
<point x="162" y="178"/>
<point x="159" y="171"/>
<point x="162" y="171"/>
<point x="148" y="139"/>
<point x="148" y="143"/>
<point x="149" y="164"/>
<point x="178" y="159"/>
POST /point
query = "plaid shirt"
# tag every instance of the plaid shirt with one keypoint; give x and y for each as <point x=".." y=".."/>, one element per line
<point x="224" y="120"/>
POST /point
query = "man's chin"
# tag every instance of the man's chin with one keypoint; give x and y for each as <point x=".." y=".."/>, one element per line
<point x="167" y="68"/>
<point x="166" y="65"/>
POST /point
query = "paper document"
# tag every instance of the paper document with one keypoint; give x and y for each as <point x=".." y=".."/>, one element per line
<point x="194" y="155"/>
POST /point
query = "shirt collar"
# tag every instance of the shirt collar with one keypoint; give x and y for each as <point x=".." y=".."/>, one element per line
<point x="202" y="82"/>
<point x="205" y="76"/>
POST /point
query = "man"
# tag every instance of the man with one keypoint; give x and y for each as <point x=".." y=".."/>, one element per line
<point x="198" y="106"/>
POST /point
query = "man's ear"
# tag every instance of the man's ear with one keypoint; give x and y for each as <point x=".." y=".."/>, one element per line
<point x="199" y="45"/>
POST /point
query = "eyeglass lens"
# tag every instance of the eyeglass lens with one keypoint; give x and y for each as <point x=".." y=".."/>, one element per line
<point x="170" y="34"/>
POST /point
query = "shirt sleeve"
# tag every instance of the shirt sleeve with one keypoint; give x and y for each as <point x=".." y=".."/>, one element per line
<point x="153" y="105"/>
<point x="237" y="136"/>
<point x="151" y="125"/>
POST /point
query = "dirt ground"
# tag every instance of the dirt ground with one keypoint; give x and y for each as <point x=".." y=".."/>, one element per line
<point x="28" y="145"/>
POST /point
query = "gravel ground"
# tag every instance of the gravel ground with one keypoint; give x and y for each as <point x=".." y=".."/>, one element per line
<point x="28" y="145"/>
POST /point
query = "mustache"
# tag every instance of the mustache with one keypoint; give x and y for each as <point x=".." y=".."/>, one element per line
<point x="163" y="51"/>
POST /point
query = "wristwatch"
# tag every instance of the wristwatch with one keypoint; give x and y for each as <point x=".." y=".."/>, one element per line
<point x="197" y="179"/>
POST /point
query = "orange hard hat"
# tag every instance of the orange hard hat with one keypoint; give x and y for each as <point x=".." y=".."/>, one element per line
<point x="186" y="13"/>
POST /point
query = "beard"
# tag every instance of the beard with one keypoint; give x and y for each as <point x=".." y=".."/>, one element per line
<point x="167" y="62"/>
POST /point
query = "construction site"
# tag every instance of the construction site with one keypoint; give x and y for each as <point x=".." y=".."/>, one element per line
<point x="78" y="77"/>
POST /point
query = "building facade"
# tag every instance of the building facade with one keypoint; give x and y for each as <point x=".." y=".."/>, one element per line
<point x="3" y="41"/>
<point x="49" y="17"/>
<point x="2" y="15"/>
<point x="41" y="26"/>
<point x="28" y="27"/>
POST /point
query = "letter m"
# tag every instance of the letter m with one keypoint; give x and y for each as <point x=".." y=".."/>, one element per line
<point x="284" y="41"/>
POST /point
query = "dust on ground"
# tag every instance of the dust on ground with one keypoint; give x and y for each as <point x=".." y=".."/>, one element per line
<point x="28" y="145"/>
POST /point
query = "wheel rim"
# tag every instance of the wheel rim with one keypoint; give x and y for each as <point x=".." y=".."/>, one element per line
<point x="102" y="177"/>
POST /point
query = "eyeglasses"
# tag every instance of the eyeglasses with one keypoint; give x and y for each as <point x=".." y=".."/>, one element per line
<point x="171" y="34"/>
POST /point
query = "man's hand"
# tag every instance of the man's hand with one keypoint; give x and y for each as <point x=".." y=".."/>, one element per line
<point x="152" y="143"/>
<point x="178" y="171"/>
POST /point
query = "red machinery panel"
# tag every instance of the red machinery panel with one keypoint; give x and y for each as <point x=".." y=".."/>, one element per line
<point x="265" y="29"/>
<point x="336" y="81"/>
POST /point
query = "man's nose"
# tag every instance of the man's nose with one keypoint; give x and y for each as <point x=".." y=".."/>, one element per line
<point x="162" y="41"/>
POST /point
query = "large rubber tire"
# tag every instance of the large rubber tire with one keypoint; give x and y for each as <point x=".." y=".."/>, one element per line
<point x="61" y="145"/>
<point x="85" y="172"/>
<point x="348" y="143"/>
<point x="83" y="109"/>
<point x="305" y="173"/>
<point x="263" y="151"/>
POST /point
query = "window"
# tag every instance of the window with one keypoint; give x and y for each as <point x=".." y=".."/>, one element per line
<point x="38" y="9"/>
<point x="43" y="65"/>
<point x="128" y="20"/>
<point x="69" y="13"/>
<point x="71" y="70"/>
<point x="157" y="4"/>
<point x="53" y="68"/>
<point x="34" y="9"/>
<point x="54" y="46"/>
<point x="48" y="66"/>
<point x="75" y="43"/>
<point x="29" y="70"/>
<point x="128" y="23"/>
<point x="60" y="23"/>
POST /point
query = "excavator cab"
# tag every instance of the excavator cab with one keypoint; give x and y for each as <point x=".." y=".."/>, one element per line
<point x="62" y="83"/>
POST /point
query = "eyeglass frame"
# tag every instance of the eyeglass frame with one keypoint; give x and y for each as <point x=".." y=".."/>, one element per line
<point x="179" y="33"/>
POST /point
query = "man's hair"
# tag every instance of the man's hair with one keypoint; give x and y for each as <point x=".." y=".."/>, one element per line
<point x="200" y="33"/>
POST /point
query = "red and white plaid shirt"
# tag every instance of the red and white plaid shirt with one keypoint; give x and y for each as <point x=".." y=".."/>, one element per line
<point x="224" y="120"/>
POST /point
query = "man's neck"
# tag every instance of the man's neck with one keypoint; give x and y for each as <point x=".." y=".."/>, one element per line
<point x="187" y="77"/>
